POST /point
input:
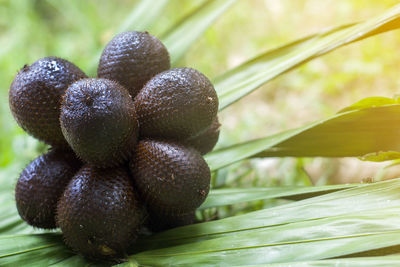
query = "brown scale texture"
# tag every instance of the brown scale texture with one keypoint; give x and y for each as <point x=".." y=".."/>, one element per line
<point x="176" y="104"/>
<point x="171" y="178"/>
<point x="41" y="184"/>
<point x="161" y="222"/>
<point x="132" y="58"/>
<point x="98" y="120"/>
<point x="206" y="141"/>
<point x="99" y="213"/>
<point x="35" y="97"/>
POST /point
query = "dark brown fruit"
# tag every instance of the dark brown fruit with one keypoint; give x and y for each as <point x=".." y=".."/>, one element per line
<point x="99" y="213"/>
<point x="35" y="97"/>
<point x="132" y="58"/>
<point x="206" y="141"/>
<point x="176" y="104"/>
<point x="161" y="222"/>
<point x="98" y="120"/>
<point x="41" y="184"/>
<point x="171" y="178"/>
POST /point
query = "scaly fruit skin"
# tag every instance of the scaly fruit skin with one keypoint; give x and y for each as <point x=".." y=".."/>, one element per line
<point x="99" y="213"/>
<point x="41" y="184"/>
<point x="176" y="104"/>
<point x="35" y="97"/>
<point x="98" y="120"/>
<point x="132" y="58"/>
<point x="171" y="178"/>
<point x="206" y="141"/>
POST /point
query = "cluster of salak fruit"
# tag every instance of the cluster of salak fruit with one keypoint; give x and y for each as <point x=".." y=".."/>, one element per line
<point x="126" y="146"/>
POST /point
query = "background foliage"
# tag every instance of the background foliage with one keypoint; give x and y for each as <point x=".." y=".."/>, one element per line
<point x="78" y="30"/>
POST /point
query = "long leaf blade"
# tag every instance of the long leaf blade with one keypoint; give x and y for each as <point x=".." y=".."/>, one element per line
<point x="380" y="195"/>
<point x="39" y="250"/>
<point x="247" y="77"/>
<point x="182" y="35"/>
<point x="332" y="225"/>
<point x="223" y="197"/>
<point x="353" y="262"/>
<point x="308" y="240"/>
<point x="142" y="16"/>
<point x="350" y="134"/>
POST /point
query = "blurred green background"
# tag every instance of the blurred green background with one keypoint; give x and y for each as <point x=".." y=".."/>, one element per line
<point x="77" y="31"/>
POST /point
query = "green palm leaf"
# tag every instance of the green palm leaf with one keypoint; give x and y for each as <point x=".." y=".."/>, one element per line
<point x="355" y="219"/>
<point x="142" y="16"/>
<point x="360" y="131"/>
<point x="247" y="77"/>
<point x="351" y="224"/>
<point x="181" y="36"/>
<point x="380" y="196"/>
<point x="223" y="197"/>
<point x="353" y="262"/>
<point x="332" y="225"/>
